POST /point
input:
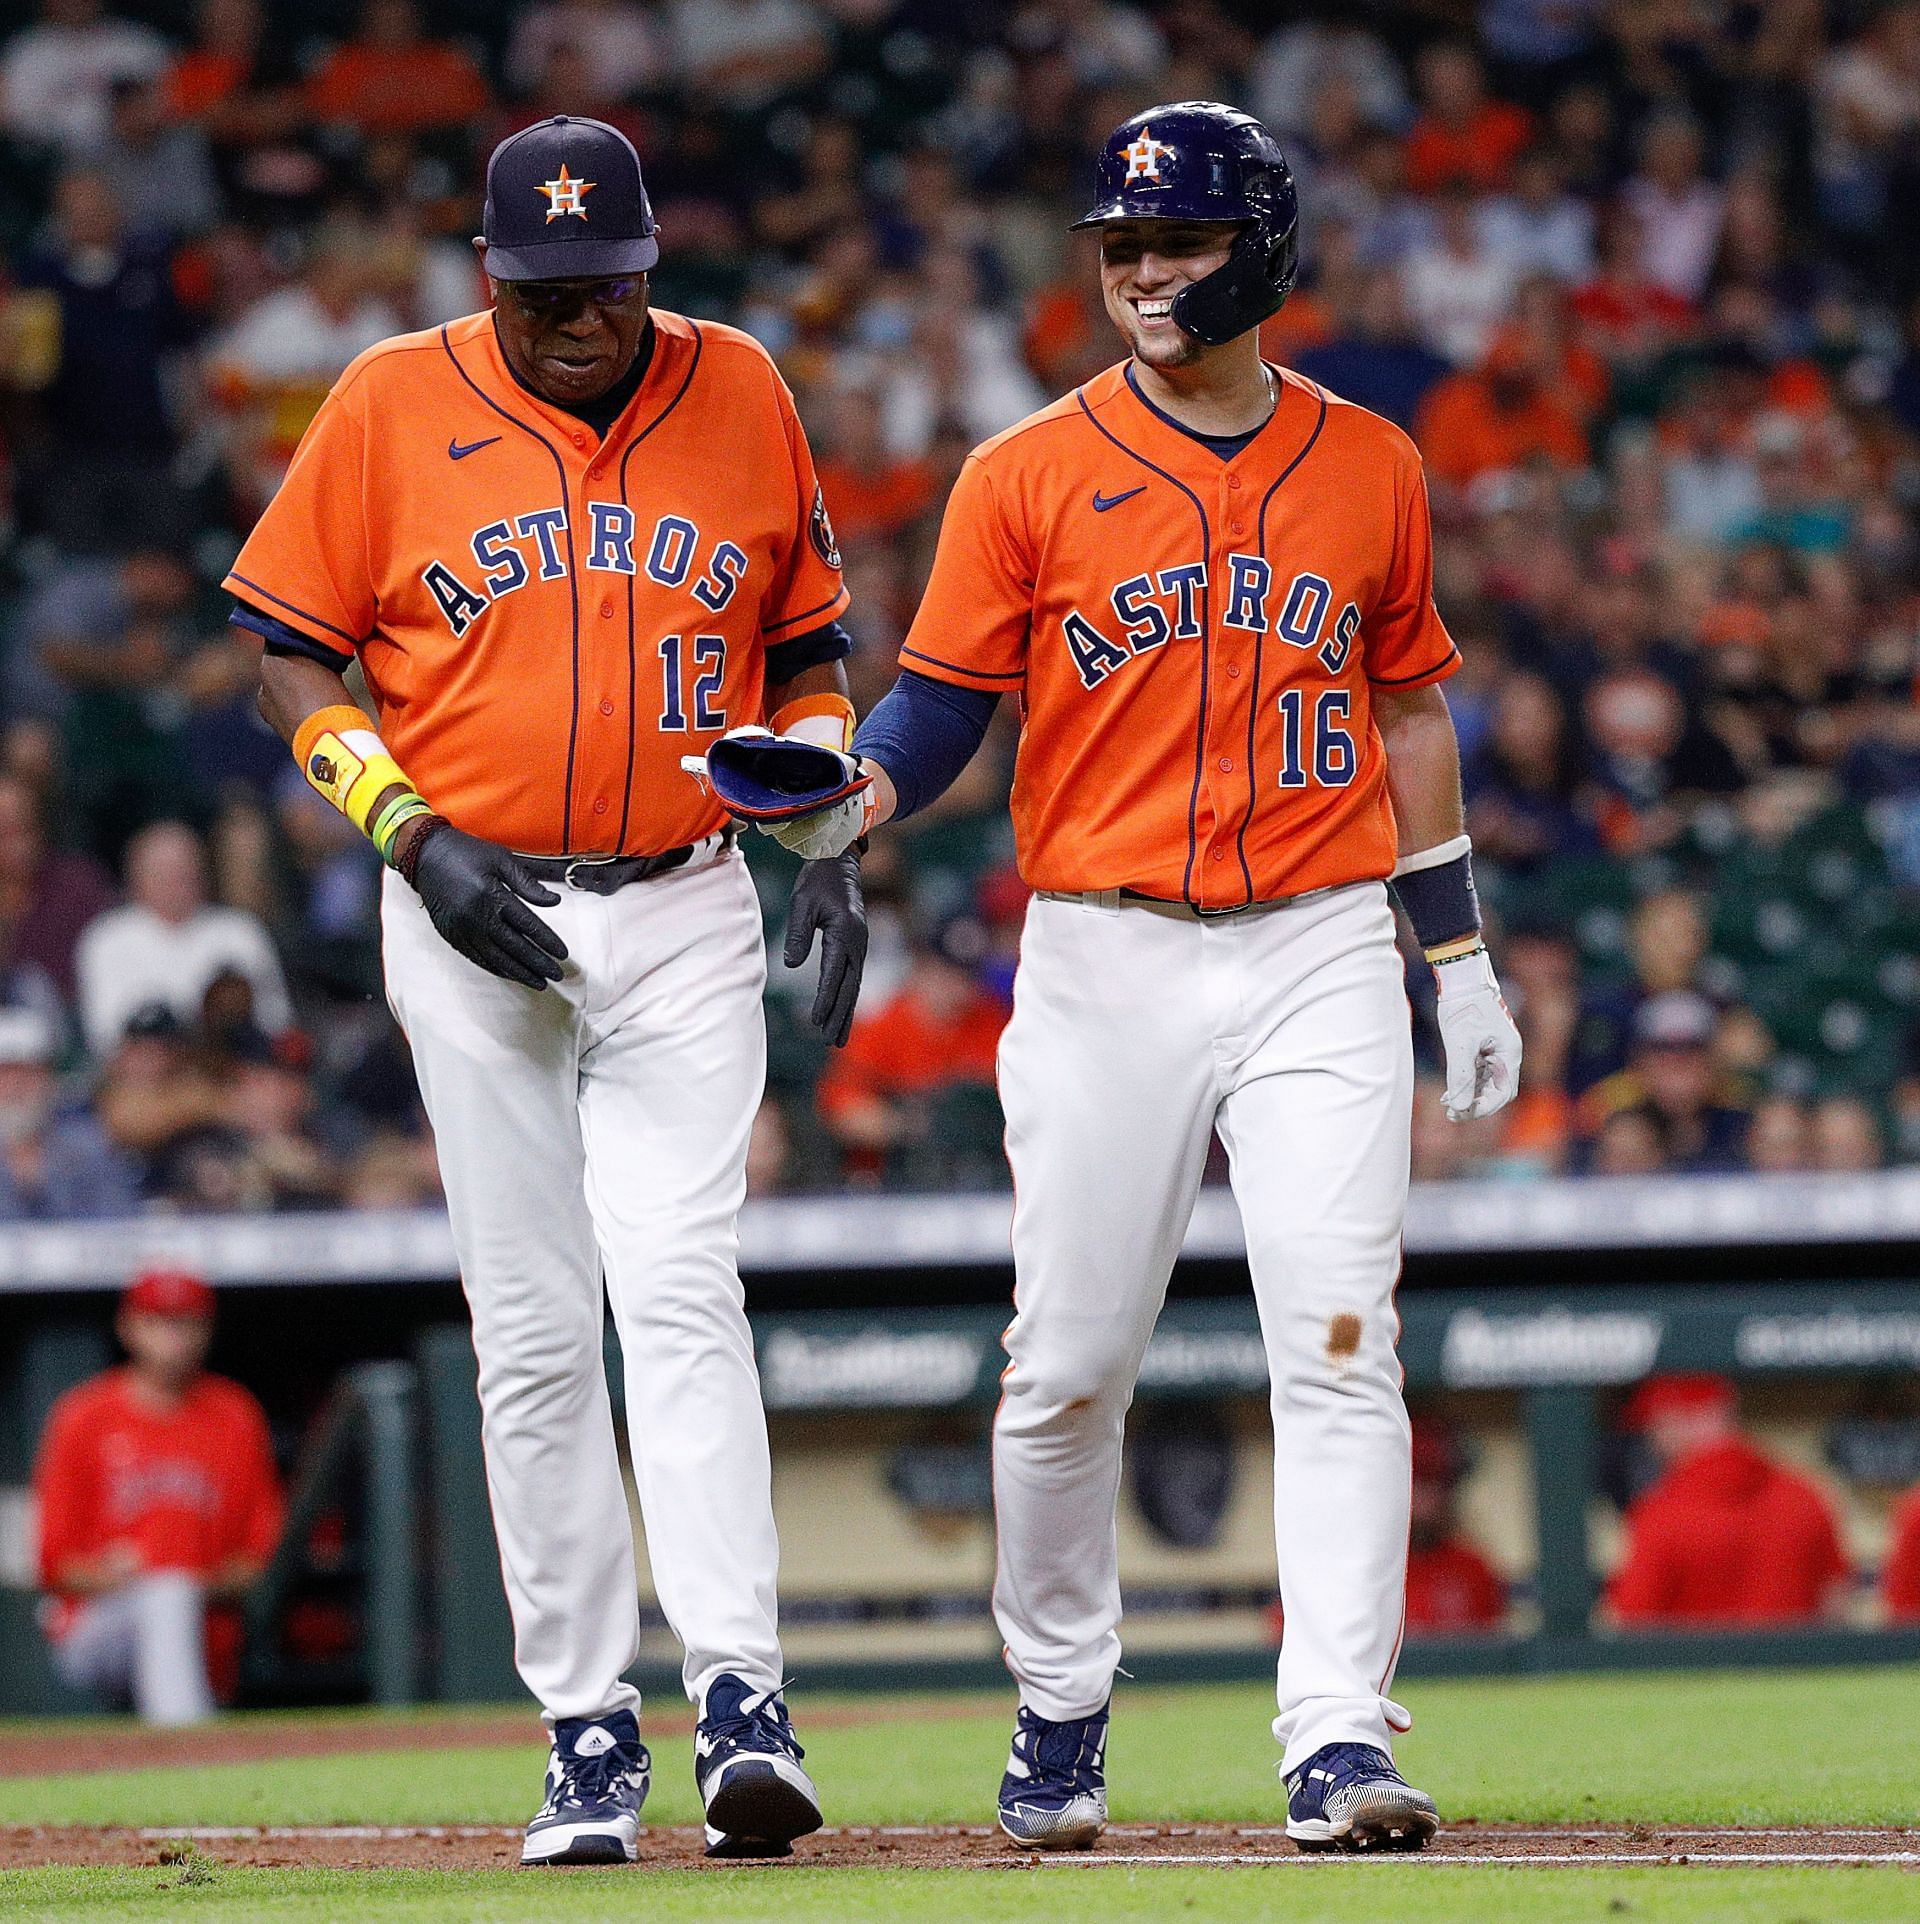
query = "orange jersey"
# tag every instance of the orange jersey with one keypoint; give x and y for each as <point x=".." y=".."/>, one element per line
<point x="187" y="1488"/>
<point x="1194" y="640"/>
<point x="549" y="622"/>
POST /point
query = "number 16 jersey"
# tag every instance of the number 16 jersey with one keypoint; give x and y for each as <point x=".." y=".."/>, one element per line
<point x="1194" y="641"/>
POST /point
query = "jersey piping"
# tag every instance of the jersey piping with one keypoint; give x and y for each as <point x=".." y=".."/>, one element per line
<point x="1206" y="642"/>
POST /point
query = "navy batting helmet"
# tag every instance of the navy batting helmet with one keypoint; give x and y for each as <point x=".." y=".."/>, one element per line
<point x="1200" y="160"/>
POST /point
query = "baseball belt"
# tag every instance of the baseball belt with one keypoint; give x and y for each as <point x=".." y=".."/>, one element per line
<point x="1185" y="911"/>
<point x="604" y="874"/>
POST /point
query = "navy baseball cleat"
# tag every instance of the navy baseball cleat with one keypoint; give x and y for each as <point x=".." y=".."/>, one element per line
<point x="746" y="1763"/>
<point x="1350" y="1797"/>
<point x="1054" y="1795"/>
<point x="597" y="1775"/>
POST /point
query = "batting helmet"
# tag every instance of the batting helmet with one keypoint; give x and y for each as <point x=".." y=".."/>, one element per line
<point x="1200" y="160"/>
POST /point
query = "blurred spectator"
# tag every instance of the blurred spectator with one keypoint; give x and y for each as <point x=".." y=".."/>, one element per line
<point x="619" y="47"/>
<point x="159" y="1507"/>
<point x="392" y="79"/>
<point x="1725" y="1535"/>
<point x="1671" y="1079"/>
<point x="1462" y="136"/>
<point x="1779" y="1138"/>
<point x="155" y="166"/>
<point x="1457" y="289"/>
<point x="47" y="896"/>
<point x="168" y="943"/>
<point x="269" y="1110"/>
<point x="1629" y="317"/>
<point x="1451" y="1587"/>
<point x="1305" y="60"/>
<point x="1679" y="212"/>
<point x="1377" y="360"/>
<point x="100" y="435"/>
<point x="56" y="79"/>
<point x="871" y="493"/>
<point x="269" y="372"/>
<point x="56" y="1163"/>
<point x="1630" y="1142"/>
<point x="1900" y="1578"/>
<point x="1510" y="413"/>
<point x="1845" y="1135"/>
<point x="1538" y="227"/>
<point x="745" y="54"/>
<point x="941" y="1029"/>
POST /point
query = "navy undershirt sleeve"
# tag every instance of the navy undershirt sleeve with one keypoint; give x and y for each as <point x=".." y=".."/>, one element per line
<point x="923" y="733"/>
<point x="786" y="659"/>
<point x="282" y="640"/>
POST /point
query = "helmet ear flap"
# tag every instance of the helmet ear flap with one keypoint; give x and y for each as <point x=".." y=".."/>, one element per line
<point x="1253" y="283"/>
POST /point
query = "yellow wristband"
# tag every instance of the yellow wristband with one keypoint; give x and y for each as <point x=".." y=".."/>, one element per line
<point x="347" y="762"/>
<point x="1454" y="951"/>
<point x="825" y="720"/>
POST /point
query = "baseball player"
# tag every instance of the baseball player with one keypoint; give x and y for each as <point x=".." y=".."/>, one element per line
<point x="569" y="540"/>
<point x="1209" y="582"/>
<point x="159" y="1507"/>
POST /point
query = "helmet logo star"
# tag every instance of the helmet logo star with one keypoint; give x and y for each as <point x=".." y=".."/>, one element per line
<point x="564" y="195"/>
<point x="1143" y="156"/>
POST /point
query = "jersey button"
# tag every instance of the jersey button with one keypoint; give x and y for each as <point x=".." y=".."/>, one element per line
<point x="606" y="611"/>
<point x="1233" y="671"/>
<point x="1226" y="764"/>
<point x="1233" y="480"/>
<point x="1238" y="527"/>
<point x="600" y="807"/>
<point x="606" y="708"/>
<point x="1219" y="855"/>
<point x="579" y="440"/>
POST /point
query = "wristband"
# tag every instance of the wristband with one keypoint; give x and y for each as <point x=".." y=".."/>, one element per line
<point x="825" y="720"/>
<point x="346" y="761"/>
<point x="1435" y="887"/>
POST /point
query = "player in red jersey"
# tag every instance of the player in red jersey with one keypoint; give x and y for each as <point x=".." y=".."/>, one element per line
<point x="159" y="1506"/>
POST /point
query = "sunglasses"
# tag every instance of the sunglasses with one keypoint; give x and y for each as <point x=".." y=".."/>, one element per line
<point x="544" y="299"/>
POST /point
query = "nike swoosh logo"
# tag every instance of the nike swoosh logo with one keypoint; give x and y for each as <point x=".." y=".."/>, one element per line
<point x="455" y="452"/>
<point x="1102" y="502"/>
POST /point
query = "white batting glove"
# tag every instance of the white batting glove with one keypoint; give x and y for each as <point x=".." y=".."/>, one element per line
<point x="1482" y="1044"/>
<point x="827" y="831"/>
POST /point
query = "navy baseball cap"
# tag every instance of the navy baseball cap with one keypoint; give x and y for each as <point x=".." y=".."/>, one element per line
<point x="565" y="202"/>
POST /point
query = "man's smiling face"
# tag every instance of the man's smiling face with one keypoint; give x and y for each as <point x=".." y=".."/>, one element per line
<point x="1143" y="265"/>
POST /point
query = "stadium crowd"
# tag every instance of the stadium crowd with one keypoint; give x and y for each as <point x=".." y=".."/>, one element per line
<point x="1642" y="280"/>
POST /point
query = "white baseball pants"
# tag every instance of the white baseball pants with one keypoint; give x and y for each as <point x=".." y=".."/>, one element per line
<point x="144" y="1643"/>
<point x="1135" y="1034"/>
<point x="598" y="1129"/>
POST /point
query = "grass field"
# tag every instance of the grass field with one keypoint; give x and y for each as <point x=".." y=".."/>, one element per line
<point x="1766" y="1749"/>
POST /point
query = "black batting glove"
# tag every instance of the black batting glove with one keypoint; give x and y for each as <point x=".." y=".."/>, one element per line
<point x="826" y="897"/>
<point x="477" y="896"/>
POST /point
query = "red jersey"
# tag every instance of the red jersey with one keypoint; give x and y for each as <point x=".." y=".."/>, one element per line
<point x="1452" y="1587"/>
<point x="187" y="1488"/>
<point x="1728" y="1536"/>
<point x="549" y="621"/>
<point x="904" y="1049"/>
<point x="1194" y="641"/>
<point x="1900" y="1581"/>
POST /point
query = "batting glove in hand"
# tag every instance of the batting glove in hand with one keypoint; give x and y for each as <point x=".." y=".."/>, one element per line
<point x="477" y="896"/>
<point x="1482" y="1045"/>
<point x="829" y="831"/>
<point x="826" y="897"/>
<point x="812" y="799"/>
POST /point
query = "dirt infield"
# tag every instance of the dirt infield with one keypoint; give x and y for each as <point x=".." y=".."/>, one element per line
<point x="955" y="1847"/>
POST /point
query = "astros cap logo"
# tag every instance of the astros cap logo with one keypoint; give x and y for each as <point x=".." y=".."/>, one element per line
<point x="1143" y="156"/>
<point x="563" y="195"/>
